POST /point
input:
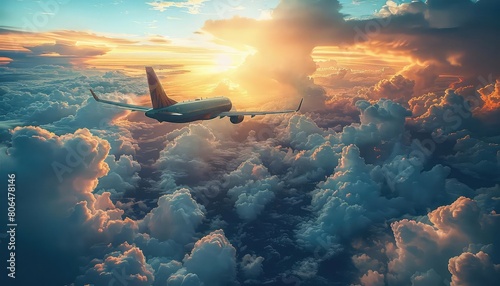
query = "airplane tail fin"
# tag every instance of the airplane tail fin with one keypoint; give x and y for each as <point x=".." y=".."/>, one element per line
<point x="159" y="98"/>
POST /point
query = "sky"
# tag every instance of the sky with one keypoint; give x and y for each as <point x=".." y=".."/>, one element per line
<point x="389" y="174"/>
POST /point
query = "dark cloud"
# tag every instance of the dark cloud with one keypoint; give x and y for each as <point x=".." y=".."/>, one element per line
<point x="434" y="33"/>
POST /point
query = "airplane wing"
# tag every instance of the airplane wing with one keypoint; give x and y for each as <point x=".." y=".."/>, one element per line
<point x="121" y="105"/>
<point x="254" y="113"/>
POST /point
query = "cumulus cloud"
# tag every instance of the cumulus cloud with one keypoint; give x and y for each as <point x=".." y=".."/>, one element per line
<point x="187" y="154"/>
<point x="427" y="278"/>
<point x="424" y="76"/>
<point x="58" y="175"/>
<point x="490" y="94"/>
<point x="473" y="269"/>
<point x="126" y="265"/>
<point x="307" y="268"/>
<point x="476" y="158"/>
<point x="176" y="217"/>
<point x="251" y="266"/>
<point x="406" y="178"/>
<point x="421" y="247"/>
<point x="441" y="115"/>
<point x="397" y="88"/>
<point x="372" y="278"/>
<point x="252" y="188"/>
<point x="335" y="183"/>
<point x="339" y="202"/>
<point x="384" y="120"/>
<point x="213" y="259"/>
<point x="123" y="174"/>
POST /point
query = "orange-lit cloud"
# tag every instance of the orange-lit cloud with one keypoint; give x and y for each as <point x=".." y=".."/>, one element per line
<point x="5" y="60"/>
<point x="490" y="94"/>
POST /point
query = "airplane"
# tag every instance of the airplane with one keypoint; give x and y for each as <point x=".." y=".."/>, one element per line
<point x="166" y="109"/>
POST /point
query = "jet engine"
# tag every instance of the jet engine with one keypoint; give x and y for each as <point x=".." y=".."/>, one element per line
<point x="236" y="119"/>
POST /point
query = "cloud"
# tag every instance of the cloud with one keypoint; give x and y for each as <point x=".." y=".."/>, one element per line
<point x="383" y="121"/>
<point x="372" y="278"/>
<point x="422" y="247"/>
<point x="186" y="157"/>
<point x="490" y="95"/>
<point x="283" y="67"/>
<point x="193" y="6"/>
<point x="68" y="49"/>
<point x="176" y="217"/>
<point x="62" y="104"/>
<point x="252" y="188"/>
<point x="28" y="49"/>
<point x="442" y="115"/>
<point x="427" y="278"/>
<point x="164" y="269"/>
<point x="476" y="158"/>
<point x="213" y="259"/>
<point x="339" y="203"/>
<point x="123" y="174"/>
<point x="406" y="178"/>
<point x="424" y="76"/>
<point x="411" y="31"/>
<point x="127" y="265"/>
<point x="306" y="269"/>
<point x="397" y="88"/>
<point x="59" y="174"/>
<point x="251" y="266"/>
<point x="319" y="188"/>
<point x="180" y="279"/>
<point x="473" y="269"/>
<point x="439" y="25"/>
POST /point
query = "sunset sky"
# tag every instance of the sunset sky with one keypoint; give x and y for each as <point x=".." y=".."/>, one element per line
<point x="388" y="175"/>
<point x="127" y="35"/>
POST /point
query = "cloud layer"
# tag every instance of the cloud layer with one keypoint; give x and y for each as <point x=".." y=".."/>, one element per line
<point x="388" y="176"/>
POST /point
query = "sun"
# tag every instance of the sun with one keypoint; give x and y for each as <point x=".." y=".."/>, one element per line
<point x="223" y="62"/>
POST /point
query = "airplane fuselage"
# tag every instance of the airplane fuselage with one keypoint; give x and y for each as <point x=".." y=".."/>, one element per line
<point x="193" y="110"/>
<point x="166" y="109"/>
